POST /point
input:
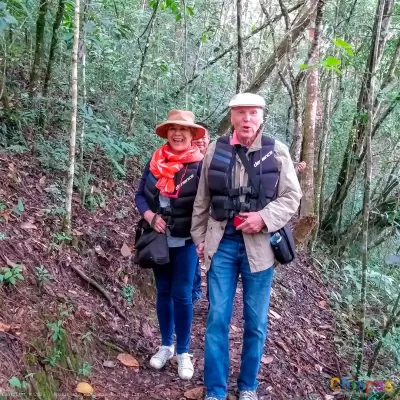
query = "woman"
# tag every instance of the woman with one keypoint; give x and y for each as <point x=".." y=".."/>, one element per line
<point x="168" y="187"/>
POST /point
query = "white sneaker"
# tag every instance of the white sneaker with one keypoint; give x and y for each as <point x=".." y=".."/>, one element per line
<point x="162" y="356"/>
<point x="185" y="366"/>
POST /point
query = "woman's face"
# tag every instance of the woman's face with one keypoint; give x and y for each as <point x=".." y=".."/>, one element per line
<point x="179" y="137"/>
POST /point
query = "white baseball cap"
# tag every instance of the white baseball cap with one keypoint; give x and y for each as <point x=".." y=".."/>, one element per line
<point x="247" y="99"/>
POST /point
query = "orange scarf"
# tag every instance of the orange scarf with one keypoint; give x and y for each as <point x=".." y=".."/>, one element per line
<point x="165" y="164"/>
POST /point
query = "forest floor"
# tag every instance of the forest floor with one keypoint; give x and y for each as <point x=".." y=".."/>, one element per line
<point x="299" y="359"/>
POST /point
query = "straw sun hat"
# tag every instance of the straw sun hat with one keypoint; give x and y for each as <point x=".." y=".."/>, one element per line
<point x="180" y="117"/>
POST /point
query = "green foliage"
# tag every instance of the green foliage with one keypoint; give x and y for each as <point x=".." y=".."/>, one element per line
<point x="344" y="45"/>
<point x="54" y="357"/>
<point x="19" y="208"/>
<point x="15" y="383"/>
<point x="62" y="237"/>
<point x="85" y="369"/>
<point x="43" y="275"/>
<point x="57" y="331"/>
<point x="127" y="293"/>
<point x="6" y="19"/>
<point x="2" y="236"/>
<point x="10" y="275"/>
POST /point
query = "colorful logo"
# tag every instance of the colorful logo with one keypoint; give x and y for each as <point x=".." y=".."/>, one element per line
<point x="338" y="384"/>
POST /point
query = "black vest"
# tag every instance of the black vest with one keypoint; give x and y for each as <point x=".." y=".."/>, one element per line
<point x="225" y="201"/>
<point x="179" y="214"/>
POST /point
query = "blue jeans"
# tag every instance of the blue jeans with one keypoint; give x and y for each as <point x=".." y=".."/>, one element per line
<point x="228" y="262"/>
<point x="174" y="283"/>
<point x="197" y="293"/>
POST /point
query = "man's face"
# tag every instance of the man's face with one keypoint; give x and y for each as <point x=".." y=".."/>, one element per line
<point x="246" y="121"/>
<point x="203" y="143"/>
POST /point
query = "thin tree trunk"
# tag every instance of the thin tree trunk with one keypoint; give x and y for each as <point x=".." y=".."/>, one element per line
<point x="74" y="103"/>
<point x="3" y="78"/>
<point x="138" y="84"/>
<point x="239" y="77"/>
<point x="319" y="193"/>
<point x="53" y="46"/>
<point x="39" y="46"/>
<point x="367" y="184"/>
<point x="307" y="207"/>
<point x="185" y="57"/>
<point x="84" y="89"/>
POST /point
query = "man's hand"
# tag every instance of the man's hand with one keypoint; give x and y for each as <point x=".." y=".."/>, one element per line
<point x="301" y="167"/>
<point x="253" y="224"/>
<point x="159" y="225"/>
<point x="200" y="251"/>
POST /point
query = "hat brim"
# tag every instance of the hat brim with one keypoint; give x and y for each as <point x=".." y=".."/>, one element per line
<point x="162" y="129"/>
<point x="246" y="105"/>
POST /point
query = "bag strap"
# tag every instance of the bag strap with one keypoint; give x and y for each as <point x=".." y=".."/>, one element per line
<point x="255" y="181"/>
<point x="153" y="221"/>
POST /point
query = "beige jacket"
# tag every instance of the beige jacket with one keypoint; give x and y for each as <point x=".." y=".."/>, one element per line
<point x="275" y="215"/>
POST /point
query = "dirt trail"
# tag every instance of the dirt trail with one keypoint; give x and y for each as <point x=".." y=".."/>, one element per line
<point x="299" y="358"/>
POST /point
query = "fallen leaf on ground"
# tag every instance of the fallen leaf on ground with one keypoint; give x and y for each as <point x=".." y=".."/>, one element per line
<point x="128" y="360"/>
<point x="235" y="328"/>
<point x="109" y="364"/>
<point x="275" y="314"/>
<point x="282" y="346"/>
<point x="317" y="334"/>
<point x="195" y="394"/>
<point x="267" y="359"/>
<point x="100" y="251"/>
<point x="28" y="225"/>
<point x="146" y="329"/>
<point x="84" y="388"/>
<point x="305" y="319"/>
<point x="125" y="250"/>
<point x="323" y="304"/>
<point x="42" y="180"/>
<point x="4" y="327"/>
<point x="327" y="327"/>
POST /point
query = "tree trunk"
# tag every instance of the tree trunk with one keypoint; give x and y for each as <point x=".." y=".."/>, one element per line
<point x="239" y="78"/>
<point x="319" y="192"/>
<point x="295" y="147"/>
<point x="84" y="89"/>
<point x="136" y="88"/>
<point x="39" y="46"/>
<point x="357" y="143"/>
<point x="53" y="46"/>
<point x="3" y="86"/>
<point x="377" y="46"/>
<point x="74" y="109"/>
<point x="307" y="207"/>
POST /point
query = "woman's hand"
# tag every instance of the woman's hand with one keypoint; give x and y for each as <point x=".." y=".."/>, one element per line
<point x="159" y="225"/>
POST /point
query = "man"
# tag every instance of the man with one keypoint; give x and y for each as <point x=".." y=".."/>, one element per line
<point x="202" y="144"/>
<point x="230" y="248"/>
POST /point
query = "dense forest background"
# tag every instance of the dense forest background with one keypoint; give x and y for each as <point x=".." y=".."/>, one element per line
<point x="82" y="87"/>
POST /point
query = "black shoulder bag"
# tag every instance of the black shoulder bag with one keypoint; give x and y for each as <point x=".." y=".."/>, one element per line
<point x="284" y="249"/>
<point x="151" y="246"/>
